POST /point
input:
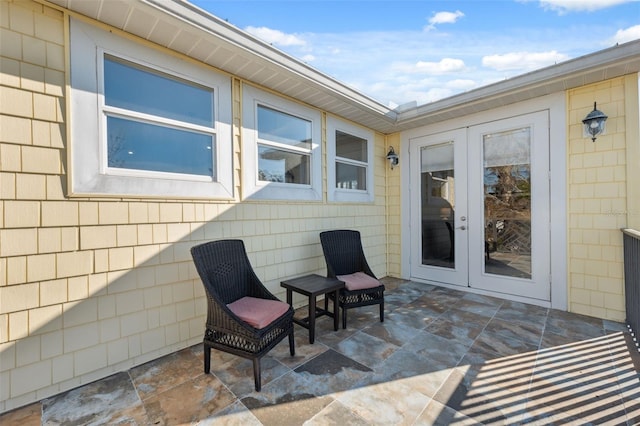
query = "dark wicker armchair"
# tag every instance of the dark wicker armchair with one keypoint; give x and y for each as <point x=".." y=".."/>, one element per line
<point x="228" y="277"/>
<point x="344" y="256"/>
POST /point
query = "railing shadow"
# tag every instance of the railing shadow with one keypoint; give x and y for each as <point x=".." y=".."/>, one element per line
<point x="594" y="381"/>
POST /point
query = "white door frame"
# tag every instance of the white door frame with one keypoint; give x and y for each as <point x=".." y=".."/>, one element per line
<point x="555" y="104"/>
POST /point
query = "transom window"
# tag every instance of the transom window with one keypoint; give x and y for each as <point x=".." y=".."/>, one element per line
<point x="350" y="162"/>
<point x="144" y="123"/>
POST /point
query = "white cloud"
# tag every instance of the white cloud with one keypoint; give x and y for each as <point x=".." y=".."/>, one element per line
<point x="524" y="61"/>
<point x="308" y="58"/>
<point x="443" y="18"/>
<point x="444" y="66"/>
<point x="565" y="6"/>
<point x="461" y="84"/>
<point x="275" y="37"/>
<point x="432" y="94"/>
<point x="623" y="36"/>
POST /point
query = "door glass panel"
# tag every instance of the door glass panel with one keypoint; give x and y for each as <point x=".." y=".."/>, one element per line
<point x="437" y="183"/>
<point x="507" y="203"/>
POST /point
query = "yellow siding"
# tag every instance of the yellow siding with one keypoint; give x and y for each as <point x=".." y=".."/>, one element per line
<point x="89" y="287"/>
<point x="393" y="190"/>
<point x="598" y="201"/>
<point x="632" y="139"/>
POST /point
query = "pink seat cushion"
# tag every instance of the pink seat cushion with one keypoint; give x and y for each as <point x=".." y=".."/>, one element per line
<point x="358" y="281"/>
<point x="258" y="312"/>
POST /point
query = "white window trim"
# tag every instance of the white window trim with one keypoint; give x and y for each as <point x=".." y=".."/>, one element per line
<point x="88" y="174"/>
<point x="348" y="195"/>
<point x="253" y="188"/>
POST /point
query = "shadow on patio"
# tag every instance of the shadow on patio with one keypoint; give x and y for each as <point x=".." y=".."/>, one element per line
<point x="442" y="356"/>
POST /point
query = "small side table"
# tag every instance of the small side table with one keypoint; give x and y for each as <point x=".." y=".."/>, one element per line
<point x="312" y="286"/>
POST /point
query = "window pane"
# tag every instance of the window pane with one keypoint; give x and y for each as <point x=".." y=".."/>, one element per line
<point x="143" y="146"/>
<point x="283" y="128"/>
<point x="275" y="165"/>
<point x="351" y="147"/>
<point x="140" y="89"/>
<point x="507" y="203"/>
<point x="349" y="176"/>
<point x="437" y="192"/>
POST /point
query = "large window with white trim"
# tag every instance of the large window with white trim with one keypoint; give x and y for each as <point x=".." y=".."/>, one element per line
<point x="281" y="148"/>
<point x="157" y="123"/>
<point x="350" y="162"/>
<point x="144" y="123"/>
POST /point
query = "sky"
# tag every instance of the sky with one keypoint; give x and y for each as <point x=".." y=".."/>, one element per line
<point x="398" y="52"/>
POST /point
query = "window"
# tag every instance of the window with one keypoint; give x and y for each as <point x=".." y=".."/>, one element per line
<point x="144" y="123"/>
<point x="350" y="159"/>
<point x="281" y="148"/>
<point x="284" y="147"/>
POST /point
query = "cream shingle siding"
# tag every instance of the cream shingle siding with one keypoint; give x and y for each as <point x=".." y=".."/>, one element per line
<point x="89" y="287"/>
<point x="393" y="202"/>
<point x="597" y="202"/>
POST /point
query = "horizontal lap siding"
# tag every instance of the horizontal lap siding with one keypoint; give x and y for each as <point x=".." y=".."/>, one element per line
<point x="597" y="203"/>
<point x="89" y="287"/>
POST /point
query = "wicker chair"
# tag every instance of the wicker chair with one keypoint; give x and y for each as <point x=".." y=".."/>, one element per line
<point x="228" y="277"/>
<point x="344" y="255"/>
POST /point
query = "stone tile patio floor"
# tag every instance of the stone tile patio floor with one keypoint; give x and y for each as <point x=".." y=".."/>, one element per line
<point x="441" y="357"/>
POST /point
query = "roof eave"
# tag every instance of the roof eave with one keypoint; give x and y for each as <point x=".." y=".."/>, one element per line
<point x="609" y="63"/>
<point x="213" y="41"/>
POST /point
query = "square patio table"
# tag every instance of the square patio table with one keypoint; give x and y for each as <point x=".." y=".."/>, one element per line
<point x="312" y="286"/>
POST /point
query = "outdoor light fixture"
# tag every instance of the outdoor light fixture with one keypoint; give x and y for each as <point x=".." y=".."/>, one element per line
<point x="594" y="123"/>
<point x="392" y="157"/>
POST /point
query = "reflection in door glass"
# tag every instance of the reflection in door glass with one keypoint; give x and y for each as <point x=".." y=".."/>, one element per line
<point x="437" y="183"/>
<point x="507" y="203"/>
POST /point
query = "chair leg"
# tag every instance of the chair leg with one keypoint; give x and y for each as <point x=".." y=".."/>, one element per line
<point x="344" y="317"/>
<point x="292" y="344"/>
<point x="256" y="374"/>
<point x="382" y="311"/>
<point x="207" y="358"/>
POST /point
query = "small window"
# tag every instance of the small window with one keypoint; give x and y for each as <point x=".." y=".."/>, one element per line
<point x="284" y="147"/>
<point x="351" y="158"/>
<point x="281" y="148"/>
<point x="144" y="124"/>
<point x="351" y="161"/>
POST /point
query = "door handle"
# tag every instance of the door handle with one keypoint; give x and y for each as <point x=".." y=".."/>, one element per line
<point x="461" y="227"/>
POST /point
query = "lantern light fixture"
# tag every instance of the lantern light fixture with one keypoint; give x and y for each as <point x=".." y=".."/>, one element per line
<point x="594" y="123"/>
<point x="392" y="157"/>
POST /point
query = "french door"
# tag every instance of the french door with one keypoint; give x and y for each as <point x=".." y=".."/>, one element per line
<point x="480" y="207"/>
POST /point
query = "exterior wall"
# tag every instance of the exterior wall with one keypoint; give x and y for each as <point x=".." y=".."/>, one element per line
<point x="394" y="207"/>
<point x="598" y="204"/>
<point x="88" y="286"/>
<point x="632" y="129"/>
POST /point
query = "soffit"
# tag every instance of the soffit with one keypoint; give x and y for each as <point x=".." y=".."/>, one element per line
<point x="184" y="28"/>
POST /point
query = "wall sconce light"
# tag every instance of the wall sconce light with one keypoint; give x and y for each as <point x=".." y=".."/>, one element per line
<point x="594" y="123"/>
<point x="392" y="157"/>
